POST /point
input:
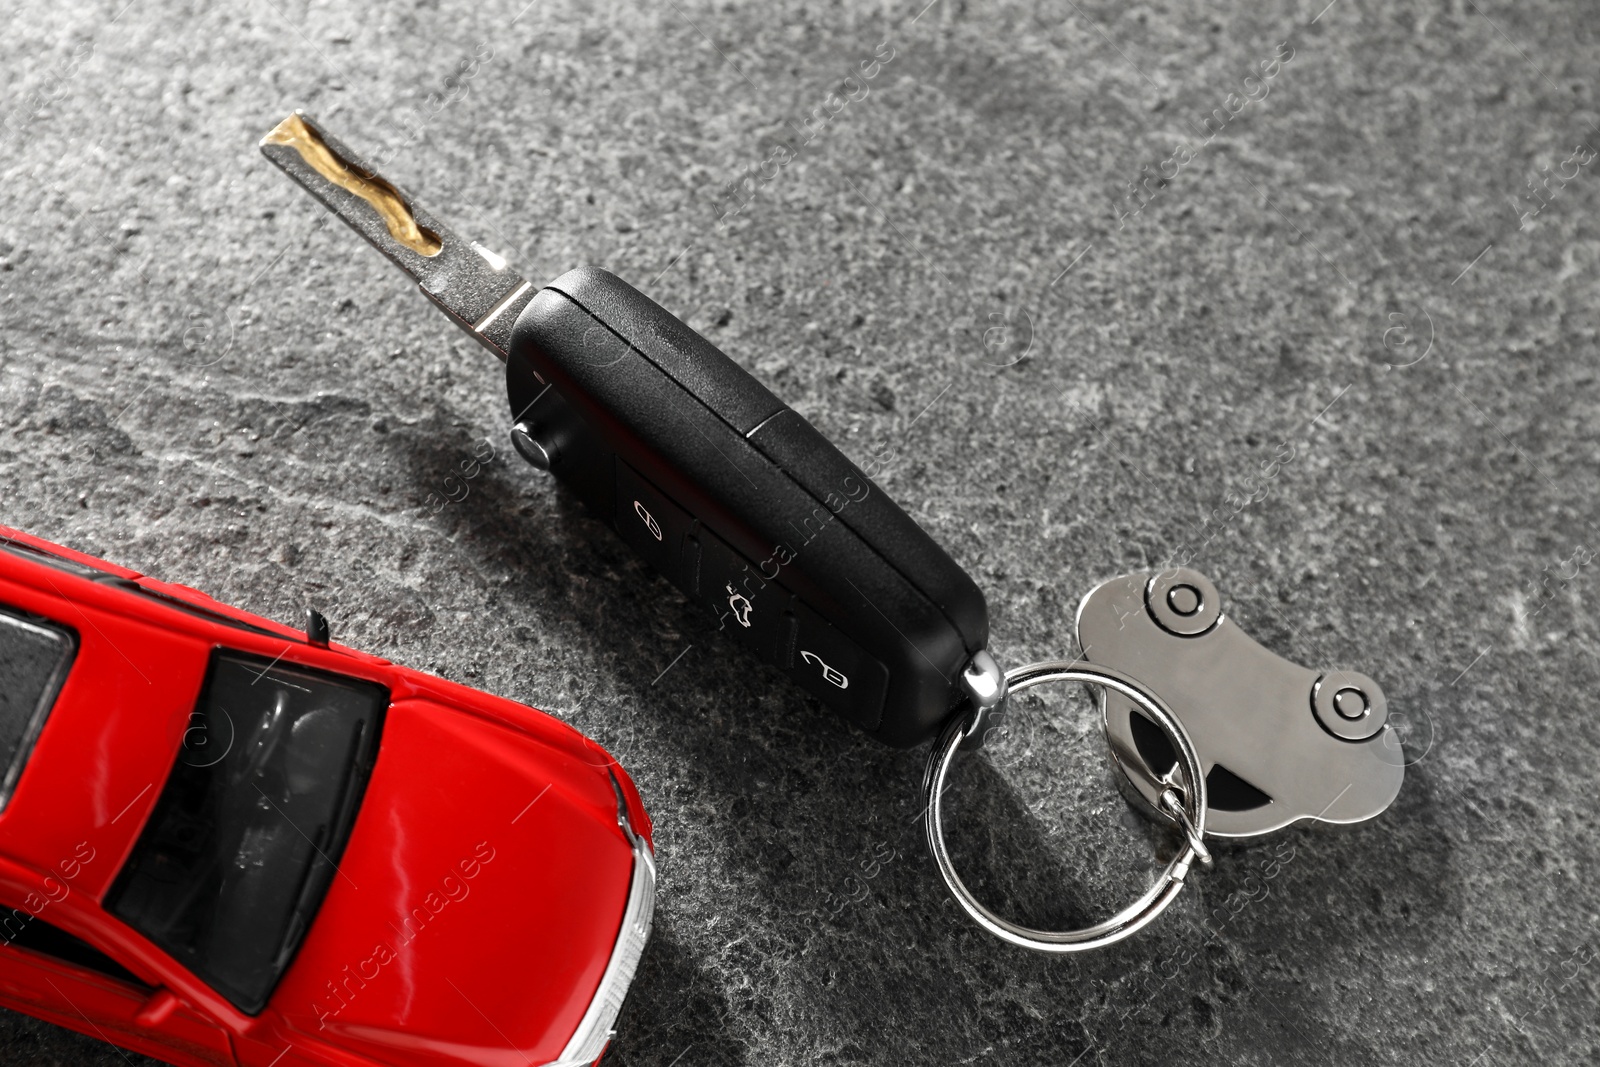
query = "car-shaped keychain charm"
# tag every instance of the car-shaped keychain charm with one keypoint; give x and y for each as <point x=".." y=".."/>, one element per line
<point x="1208" y="729"/>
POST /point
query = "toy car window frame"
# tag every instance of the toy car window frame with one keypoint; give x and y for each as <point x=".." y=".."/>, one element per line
<point x="39" y="555"/>
<point x="83" y="570"/>
<point x="225" y="884"/>
<point x="36" y="655"/>
<point x="21" y="929"/>
<point x="190" y="607"/>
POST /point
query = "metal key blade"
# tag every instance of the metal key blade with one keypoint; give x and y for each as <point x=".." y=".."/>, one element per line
<point x="472" y="284"/>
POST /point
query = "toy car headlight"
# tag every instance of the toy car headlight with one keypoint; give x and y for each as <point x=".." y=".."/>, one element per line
<point x="595" y="1029"/>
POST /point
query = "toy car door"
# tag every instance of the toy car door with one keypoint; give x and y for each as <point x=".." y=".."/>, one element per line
<point x="48" y="972"/>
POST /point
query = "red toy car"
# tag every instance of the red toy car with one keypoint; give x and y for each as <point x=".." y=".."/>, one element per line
<point x="224" y="841"/>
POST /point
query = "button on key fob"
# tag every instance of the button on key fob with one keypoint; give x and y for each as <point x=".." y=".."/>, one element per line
<point x="728" y="493"/>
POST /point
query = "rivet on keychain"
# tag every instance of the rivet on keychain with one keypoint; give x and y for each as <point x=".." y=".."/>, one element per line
<point x="1211" y="733"/>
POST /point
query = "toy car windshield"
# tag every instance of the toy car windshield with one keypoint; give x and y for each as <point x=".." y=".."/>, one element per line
<point x="246" y="836"/>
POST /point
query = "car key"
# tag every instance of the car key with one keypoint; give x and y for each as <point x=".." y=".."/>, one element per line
<point x="745" y="507"/>
<point x="727" y="492"/>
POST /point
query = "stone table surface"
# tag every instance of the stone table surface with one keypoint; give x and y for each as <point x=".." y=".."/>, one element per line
<point x="1303" y="293"/>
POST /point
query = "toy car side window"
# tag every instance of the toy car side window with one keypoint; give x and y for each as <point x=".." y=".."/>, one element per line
<point x="25" y="931"/>
<point x="35" y="656"/>
<point x="242" y="843"/>
<point x="39" y="555"/>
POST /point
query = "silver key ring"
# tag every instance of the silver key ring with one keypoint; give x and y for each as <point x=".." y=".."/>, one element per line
<point x="1186" y="806"/>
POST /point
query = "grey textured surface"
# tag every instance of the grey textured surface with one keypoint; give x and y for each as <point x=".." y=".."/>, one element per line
<point x="204" y="379"/>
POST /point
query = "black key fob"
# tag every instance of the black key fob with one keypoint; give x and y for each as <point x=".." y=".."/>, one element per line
<point x="732" y="496"/>
<point x="743" y="505"/>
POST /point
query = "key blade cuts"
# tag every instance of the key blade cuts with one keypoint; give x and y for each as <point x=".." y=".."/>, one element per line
<point x="1279" y="742"/>
<point x="472" y="285"/>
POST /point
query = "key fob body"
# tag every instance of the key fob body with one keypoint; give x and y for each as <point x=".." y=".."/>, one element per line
<point x="743" y="505"/>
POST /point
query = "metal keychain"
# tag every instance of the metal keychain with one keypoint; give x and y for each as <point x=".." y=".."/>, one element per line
<point x="1209" y="731"/>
